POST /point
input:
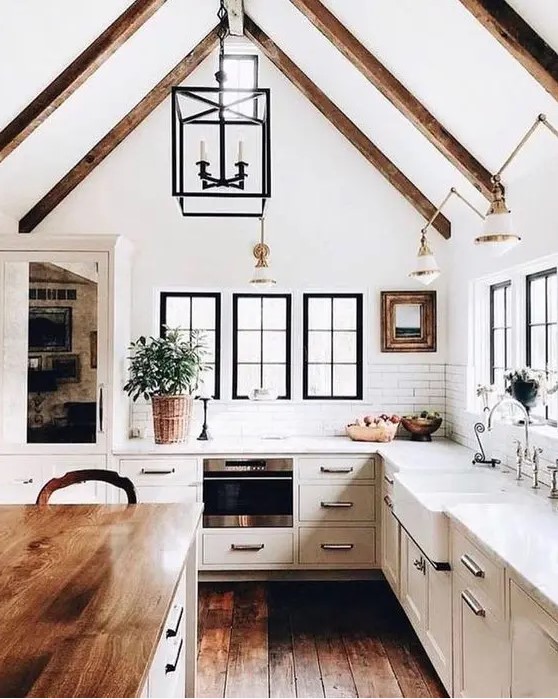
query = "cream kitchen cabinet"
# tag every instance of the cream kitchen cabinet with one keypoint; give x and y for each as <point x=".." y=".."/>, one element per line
<point x="480" y="644"/>
<point x="425" y="595"/>
<point x="391" y="537"/>
<point x="64" y="327"/>
<point x="413" y="581"/>
<point x="533" y="647"/>
<point x="22" y="477"/>
<point x="163" y="480"/>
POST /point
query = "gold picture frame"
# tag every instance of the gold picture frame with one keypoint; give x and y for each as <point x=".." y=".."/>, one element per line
<point x="408" y="321"/>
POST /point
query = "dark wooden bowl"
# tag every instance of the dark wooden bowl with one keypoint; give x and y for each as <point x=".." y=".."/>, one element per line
<point x="421" y="428"/>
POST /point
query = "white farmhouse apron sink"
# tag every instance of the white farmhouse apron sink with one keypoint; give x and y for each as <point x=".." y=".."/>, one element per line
<point x="420" y="500"/>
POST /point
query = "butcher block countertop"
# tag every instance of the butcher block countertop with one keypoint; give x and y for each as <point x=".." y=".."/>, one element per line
<point x="84" y="594"/>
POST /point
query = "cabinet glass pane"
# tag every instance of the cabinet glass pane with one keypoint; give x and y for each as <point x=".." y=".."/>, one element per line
<point x="60" y="339"/>
<point x="319" y="313"/>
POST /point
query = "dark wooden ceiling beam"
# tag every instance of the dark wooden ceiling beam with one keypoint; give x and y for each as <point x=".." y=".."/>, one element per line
<point x="121" y="131"/>
<point x="393" y="90"/>
<point x="520" y="39"/>
<point x="76" y="74"/>
<point x="343" y="124"/>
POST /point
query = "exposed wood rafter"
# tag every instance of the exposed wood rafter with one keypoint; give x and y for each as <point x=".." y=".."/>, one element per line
<point x="235" y="13"/>
<point x="341" y="122"/>
<point x="116" y="135"/>
<point x="76" y="74"/>
<point x="401" y="98"/>
<point x="520" y="39"/>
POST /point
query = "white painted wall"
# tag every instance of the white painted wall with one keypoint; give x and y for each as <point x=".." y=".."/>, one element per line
<point x="333" y="223"/>
<point x="7" y="224"/>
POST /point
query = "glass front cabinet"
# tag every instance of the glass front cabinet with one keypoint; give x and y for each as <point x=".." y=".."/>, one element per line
<point x="60" y="330"/>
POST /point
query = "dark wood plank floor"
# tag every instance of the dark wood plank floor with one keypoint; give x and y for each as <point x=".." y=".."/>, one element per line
<point x="309" y="639"/>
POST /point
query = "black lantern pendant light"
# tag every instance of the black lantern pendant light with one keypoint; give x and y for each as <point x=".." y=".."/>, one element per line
<point x="221" y="146"/>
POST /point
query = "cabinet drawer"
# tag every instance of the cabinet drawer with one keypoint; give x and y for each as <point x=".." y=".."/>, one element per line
<point x="20" y="482"/>
<point x="387" y="480"/>
<point x="474" y="567"/>
<point x="160" y="471"/>
<point x="162" y="493"/>
<point x="240" y="548"/>
<point x="337" y="502"/>
<point x="90" y="492"/>
<point x="337" y="547"/>
<point x="337" y="467"/>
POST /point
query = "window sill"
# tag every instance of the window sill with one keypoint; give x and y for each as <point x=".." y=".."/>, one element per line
<point x="549" y="432"/>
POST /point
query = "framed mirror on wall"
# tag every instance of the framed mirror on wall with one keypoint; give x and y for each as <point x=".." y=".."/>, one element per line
<point x="408" y="320"/>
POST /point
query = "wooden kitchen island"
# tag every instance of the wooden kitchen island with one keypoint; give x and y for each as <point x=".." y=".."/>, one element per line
<point x="98" y="600"/>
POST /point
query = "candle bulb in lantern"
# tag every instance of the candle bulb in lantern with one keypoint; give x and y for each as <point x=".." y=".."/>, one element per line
<point x="240" y="157"/>
<point x="203" y="151"/>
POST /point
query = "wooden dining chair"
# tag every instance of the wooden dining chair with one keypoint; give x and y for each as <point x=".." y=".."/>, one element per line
<point x="88" y="474"/>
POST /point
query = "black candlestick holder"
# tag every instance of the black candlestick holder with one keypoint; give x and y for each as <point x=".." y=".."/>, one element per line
<point x="204" y="434"/>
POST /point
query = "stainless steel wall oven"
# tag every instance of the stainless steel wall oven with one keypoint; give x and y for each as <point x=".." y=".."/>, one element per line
<point x="248" y="492"/>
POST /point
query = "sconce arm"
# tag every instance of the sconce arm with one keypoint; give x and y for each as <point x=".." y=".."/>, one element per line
<point x="541" y="119"/>
<point x="453" y="192"/>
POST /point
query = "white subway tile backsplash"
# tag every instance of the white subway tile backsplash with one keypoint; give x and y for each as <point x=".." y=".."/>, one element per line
<point x="390" y="388"/>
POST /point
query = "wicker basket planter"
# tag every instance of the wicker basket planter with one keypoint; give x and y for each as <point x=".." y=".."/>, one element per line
<point x="171" y="418"/>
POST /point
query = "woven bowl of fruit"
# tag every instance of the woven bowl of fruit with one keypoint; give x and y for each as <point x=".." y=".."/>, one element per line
<point x="422" y="425"/>
<point x="374" y="429"/>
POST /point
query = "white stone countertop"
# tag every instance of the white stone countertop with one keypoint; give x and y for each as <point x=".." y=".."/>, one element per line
<point x="401" y="453"/>
<point x="522" y="537"/>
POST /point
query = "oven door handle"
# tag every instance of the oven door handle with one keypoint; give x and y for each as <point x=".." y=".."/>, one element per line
<point x="247" y="478"/>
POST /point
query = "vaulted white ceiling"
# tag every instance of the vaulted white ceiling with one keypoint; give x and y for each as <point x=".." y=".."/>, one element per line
<point x="436" y="48"/>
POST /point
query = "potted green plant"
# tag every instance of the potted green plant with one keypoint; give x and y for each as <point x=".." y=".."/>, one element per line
<point x="166" y="370"/>
<point x="527" y="386"/>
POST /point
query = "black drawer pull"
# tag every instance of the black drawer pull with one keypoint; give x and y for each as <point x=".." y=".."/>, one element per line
<point x="389" y="480"/>
<point x="172" y="667"/>
<point x="338" y="547"/>
<point x="247" y="547"/>
<point x="171" y="633"/>
<point x="336" y="504"/>
<point x="335" y="469"/>
<point x="157" y="472"/>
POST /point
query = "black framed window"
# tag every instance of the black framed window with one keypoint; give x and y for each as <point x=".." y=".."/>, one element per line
<point x="500" y="331"/>
<point x="261" y="344"/>
<point x="197" y="311"/>
<point x="541" y="331"/>
<point x="332" y="343"/>
<point x="242" y="74"/>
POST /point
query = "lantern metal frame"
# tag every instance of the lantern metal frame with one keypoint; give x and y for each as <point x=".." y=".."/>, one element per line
<point x="215" y="111"/>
